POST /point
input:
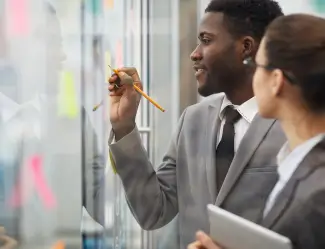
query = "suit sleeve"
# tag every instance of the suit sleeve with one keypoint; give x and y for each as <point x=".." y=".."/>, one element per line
<point x="93" y="175"/>
<point x="151" y="195"/>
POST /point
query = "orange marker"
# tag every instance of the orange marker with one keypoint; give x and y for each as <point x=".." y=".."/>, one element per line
<point x="144" y="94"/>
<point x="139" y="91"/>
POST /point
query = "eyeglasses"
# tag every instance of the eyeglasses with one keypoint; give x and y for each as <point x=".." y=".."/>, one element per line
<point x="251" y="63"/>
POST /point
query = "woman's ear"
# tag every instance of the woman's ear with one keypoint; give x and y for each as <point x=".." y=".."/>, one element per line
<point x="277" y="83"/>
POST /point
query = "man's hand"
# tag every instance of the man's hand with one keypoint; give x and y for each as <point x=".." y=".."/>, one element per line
<point x="6" y="242"/>
<point x="203" y="241"/>
<point x="124" y="100"/>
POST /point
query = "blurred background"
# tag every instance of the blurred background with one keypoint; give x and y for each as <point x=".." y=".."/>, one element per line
<point x="54" y="58"/>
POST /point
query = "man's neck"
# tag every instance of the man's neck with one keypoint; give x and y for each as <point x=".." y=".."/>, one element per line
<point x="240" y="97"/>
<point x="241" y="91"/>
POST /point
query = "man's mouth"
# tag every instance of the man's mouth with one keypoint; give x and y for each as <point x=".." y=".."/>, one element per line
<point x="199" y="70"/>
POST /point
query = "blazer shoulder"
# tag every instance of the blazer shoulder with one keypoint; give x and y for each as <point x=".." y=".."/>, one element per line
<point x="212" y="100"/>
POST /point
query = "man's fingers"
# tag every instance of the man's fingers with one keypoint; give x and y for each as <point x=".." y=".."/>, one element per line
<point x="114" y="94"/>
<point x="139" y="84"/>
<point x="116" y="91"/>
<point x="131" y="71"/>
<point x="126" y="79"/>
<point x="113" y="78"/>
<point x="114" y="88"/>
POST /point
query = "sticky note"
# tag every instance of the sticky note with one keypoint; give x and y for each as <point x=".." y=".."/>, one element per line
<point x="94" y="6"/>
<point x="36" y="183"/>
<point x="45" y="193"/>
<point x="109" y="4"/>
<point x="67" y="98"/>
<point x="119" y="54"/>
<point x="319" y="5"/>
<point x="112" y="162"/>
<point x="59" y="245"/>
<point x="18" y="18"/>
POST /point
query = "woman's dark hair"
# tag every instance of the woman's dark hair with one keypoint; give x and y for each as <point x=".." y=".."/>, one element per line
<point x="296" y="45"/>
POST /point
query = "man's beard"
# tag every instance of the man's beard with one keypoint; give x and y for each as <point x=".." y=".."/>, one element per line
<point x="218" y="83"/>
<point x="208" y="87"/>
<point x="223" y="77"/>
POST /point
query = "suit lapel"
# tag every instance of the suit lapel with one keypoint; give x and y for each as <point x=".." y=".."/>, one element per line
<point x="212" y="128"/>
<point x="311" y="162"/>
<point x="252" y="139"/>
<point x="281" y="204"/>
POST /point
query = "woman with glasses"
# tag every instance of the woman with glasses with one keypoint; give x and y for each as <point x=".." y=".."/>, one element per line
<point x="289" y="85"/>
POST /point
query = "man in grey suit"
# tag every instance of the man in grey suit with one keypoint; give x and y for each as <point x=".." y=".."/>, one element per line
<point x="219" y="134"/>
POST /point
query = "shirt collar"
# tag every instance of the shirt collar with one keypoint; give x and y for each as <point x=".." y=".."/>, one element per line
<point x="247" y="110"/>
<point x="289" y="160"/>
<point x="9" y="107"/>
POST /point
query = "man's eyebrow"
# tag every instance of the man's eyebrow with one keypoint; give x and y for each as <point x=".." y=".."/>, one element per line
<point x="203" y="33"/>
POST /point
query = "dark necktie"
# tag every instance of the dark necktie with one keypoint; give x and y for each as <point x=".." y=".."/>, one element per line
<point x="225" y="150"/>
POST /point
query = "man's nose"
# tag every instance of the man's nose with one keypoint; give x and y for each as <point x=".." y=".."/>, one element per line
<point x="196" y="55"/>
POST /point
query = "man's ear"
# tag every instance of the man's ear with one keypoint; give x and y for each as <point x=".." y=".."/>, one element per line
<point x="248" y="47"/>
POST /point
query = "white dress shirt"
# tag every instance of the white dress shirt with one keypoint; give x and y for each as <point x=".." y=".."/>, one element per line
<point x="288" y="162"/>
<point x="9" y="108"/>
<point x="247" y="110"/>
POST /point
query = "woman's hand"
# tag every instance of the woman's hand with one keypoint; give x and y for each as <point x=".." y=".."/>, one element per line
<point x="6" y="242"/>
<point x="203" y="241"/>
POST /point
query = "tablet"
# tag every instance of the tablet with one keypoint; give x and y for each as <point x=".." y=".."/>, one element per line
<point x="234" y="232"/>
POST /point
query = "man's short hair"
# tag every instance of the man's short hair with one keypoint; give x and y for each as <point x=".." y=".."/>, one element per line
<point x="246" y="17"/>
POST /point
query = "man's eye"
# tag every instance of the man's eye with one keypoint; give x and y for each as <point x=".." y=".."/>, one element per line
<point x="205" y="41"/>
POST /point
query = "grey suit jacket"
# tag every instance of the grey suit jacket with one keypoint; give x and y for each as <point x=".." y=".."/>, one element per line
<point x="185" y="181"/>
<point x="299" y="211"/>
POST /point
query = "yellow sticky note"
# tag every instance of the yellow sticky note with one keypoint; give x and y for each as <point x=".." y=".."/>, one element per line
<point x="112" y="162"/>
<point x="68" y="106"/>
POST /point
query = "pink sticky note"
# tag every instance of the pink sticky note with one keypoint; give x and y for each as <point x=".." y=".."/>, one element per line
<point x="38" y="184"/>
<point x="119" y="54"/>
<point x="19" y="197"/>
<point x="18" y="21"/>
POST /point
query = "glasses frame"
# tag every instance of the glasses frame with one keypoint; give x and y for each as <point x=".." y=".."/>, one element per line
<point x="251" y="63"/>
